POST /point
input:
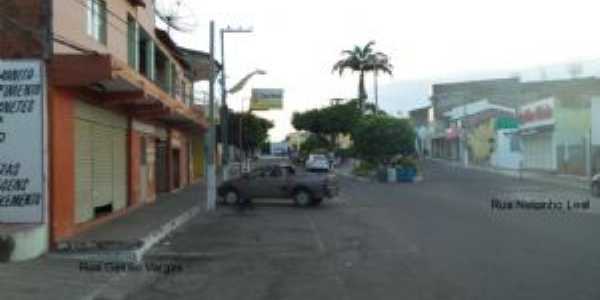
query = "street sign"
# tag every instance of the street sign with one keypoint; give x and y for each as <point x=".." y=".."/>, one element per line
<point x="21" y="141"/>
<point x="266" y="99"/>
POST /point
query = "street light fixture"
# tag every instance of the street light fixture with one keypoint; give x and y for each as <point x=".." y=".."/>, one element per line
<point x="224" y="110"/>
<point x="240" y="85"/>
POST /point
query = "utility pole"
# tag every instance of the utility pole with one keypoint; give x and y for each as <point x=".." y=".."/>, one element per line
<point x="211" y="189"/>
<point x="47" y="41"/>
<point x="224" y="111"/>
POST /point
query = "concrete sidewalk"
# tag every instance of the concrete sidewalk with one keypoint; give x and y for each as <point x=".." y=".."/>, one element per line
<point x="58" y="274"/>
<point x="127" y="238"/>
<point x="569" y="181"/>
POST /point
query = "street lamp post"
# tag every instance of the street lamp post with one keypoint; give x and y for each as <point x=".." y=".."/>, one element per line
<point x="224" y="109"/>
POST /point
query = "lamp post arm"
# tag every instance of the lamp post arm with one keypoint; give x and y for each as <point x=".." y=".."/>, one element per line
<point x="240" y="85"/>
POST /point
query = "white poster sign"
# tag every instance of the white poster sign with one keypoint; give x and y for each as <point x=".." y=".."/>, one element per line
<point x="21" y="141"/>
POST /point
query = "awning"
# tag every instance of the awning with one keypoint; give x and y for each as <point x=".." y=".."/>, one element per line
<point x="117" y="85"/>
<point x="535" y="130"/>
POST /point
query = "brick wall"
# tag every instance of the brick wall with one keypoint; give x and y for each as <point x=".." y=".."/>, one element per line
<point x="21" y="28"/>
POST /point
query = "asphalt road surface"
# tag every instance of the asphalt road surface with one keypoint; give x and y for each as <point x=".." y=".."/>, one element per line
<point x="438" y="239"/>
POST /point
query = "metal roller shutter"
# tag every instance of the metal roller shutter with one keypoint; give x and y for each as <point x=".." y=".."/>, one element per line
<point x="84" y="210"/>
<point x="538" y="151"/>
<point x="101" y="160"/>
<point x="102" y="170"/>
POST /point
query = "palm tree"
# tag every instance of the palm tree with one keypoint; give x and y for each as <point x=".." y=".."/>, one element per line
<point x="363" y="60"/>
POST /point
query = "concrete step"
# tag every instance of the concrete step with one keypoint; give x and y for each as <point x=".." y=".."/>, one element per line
<point x="19" y="242"/>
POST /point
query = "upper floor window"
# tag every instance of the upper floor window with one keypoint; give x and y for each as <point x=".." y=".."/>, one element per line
<point x="96" y="20"/>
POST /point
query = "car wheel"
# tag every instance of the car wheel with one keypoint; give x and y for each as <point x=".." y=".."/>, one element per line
<point x="317" y="201"/>
<point x="231" y="197"/>
<point x="596" y="189"/>
<point x="302" y="198"/>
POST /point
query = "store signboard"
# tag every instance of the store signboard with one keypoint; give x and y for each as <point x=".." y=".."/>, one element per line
<point x="266" y="99"/>
<point x="539" y="113"/>
<point x="21" y="141"/>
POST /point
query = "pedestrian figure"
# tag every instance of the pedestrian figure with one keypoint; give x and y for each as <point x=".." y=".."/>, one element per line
<point x="244" y="204"/>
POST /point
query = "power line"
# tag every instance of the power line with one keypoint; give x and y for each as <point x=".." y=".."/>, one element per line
<point x="65" y="42"/>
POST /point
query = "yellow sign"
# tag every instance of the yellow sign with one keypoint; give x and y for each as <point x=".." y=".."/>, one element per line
<point x="266" y="99"/>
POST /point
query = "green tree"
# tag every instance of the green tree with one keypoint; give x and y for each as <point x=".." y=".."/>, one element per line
<point x="329" y="121"/>
<point x="362" y="60"/>
<point x="378" y="138"/>
<point x="254" y="133"/>
<point x="314" y="143"/>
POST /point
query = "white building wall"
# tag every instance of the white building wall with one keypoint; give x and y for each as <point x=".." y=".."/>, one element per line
<point x="503" y="156"/>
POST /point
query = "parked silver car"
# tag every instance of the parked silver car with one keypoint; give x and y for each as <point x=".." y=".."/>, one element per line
<point x="280" y="181"/>
<point x="318" y="162"/>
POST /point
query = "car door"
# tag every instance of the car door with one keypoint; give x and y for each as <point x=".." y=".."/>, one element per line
<point x="253" y="186"/>
<point x="276" y="183"/>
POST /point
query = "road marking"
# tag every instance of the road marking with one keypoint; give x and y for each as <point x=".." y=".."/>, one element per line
<point x="316" y="234"/>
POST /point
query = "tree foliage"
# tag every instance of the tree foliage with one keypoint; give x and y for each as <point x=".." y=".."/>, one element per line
<point x="331" y="120"/>
<point x="378" y="138"/>
<point x="315" y="143"/>
<point x="362" y="60"/>
<point x="254" y="133"/>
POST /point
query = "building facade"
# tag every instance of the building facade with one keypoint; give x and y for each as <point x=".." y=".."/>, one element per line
<point x="541" y="125"/>
<point x="122" y="124"/>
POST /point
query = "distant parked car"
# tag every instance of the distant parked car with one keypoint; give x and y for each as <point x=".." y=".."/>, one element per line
<point x="280" y="181"/>
<point x="596" y="185"/>
<point x="317" y="163"/>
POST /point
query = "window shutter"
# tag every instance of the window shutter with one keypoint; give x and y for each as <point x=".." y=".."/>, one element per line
<point x="150" y="60"/>
<point x="174" y="82"/>
<point x="102" y="21"/>
<point x="90" y="17"/>
<point x="132" y="43"/>
<point x="169" y="78"/>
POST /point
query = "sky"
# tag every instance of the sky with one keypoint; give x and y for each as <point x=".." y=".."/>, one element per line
<point x="297" y="43"/>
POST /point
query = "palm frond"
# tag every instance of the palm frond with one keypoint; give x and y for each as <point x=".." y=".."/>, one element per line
<point x="368" y="48"/>
<point x="348" y="52"/>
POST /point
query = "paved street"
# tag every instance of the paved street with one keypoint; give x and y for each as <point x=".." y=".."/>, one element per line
<point x="437" y="239"/>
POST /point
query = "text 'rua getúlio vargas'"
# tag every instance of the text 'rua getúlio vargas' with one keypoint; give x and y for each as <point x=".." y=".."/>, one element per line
<point x="121" y="267"/>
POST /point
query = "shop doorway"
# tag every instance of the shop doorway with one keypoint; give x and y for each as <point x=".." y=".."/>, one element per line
<point x="176" y="168"/>
<point x="162" y="185"/>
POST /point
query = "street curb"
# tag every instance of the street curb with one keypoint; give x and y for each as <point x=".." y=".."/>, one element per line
<point x="154" y="237"/>
<point x="372" y="180"/>
<point x="136" y="254"/>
